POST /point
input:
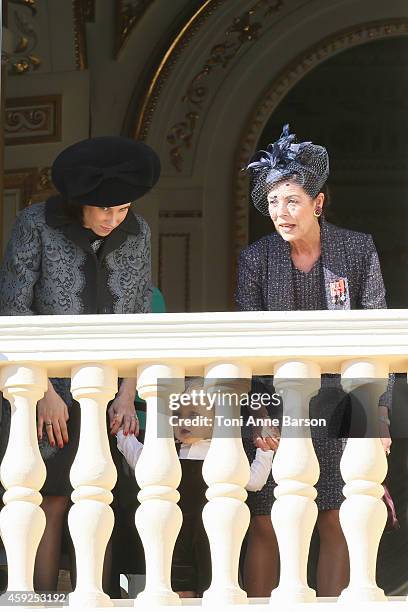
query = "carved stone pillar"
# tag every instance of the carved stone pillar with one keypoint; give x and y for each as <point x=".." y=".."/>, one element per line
<point x="296" y="471"/>
<point x="226" y="471"/>
<point x="93" y="475"/>
<point x="22" y="521"/>
<point x="158" y="519"/>
<point x="364" y="466"/>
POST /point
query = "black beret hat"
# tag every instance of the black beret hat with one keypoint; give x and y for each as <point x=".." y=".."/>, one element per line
<point x="106" y="171"/>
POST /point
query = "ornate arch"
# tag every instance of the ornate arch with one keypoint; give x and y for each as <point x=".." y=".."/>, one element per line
<point x="276" y="92"/>
<point x="166" y="64"/>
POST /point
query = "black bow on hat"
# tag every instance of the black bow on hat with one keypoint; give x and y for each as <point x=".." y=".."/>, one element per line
<point x="106" y="171"/>
<point x="87" y="178"/>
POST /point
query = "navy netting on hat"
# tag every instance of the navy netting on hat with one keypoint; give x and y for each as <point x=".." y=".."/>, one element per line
<point x="303" y="162"/>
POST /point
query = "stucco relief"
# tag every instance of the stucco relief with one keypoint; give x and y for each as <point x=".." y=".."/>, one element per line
<point x="21" y="21"/>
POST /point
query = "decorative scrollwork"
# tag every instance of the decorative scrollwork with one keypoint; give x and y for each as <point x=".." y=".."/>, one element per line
<point x="181" y="132"/>
<point x="32" y="120"/>
<point x="245" y="30"/>
<point x="23" y="58"/>
<point x="128" y="14"/>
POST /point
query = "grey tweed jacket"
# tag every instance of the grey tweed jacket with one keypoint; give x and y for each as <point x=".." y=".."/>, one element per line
<point x="265" y="275"/>
<point x="265" y="271"/>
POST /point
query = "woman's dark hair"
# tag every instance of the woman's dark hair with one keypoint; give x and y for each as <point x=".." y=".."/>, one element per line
<point x="294" y="177"/>
<point x="73" y="210"/>
<point x="326" y="192"/>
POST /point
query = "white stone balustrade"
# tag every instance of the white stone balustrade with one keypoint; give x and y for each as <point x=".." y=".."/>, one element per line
<point x="22" y="521"/>
<point x="158" y="472"/>
<point x="364" y="466"/>
<point x="93" y="475"/>
<point x="94" y="350"/>
<point x="296" y="471"/>
<point x="226" y="472"/>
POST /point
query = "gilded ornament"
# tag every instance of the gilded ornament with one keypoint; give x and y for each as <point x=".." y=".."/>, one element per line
<point x="23" y="59"/>
<point x="128" y="14"/>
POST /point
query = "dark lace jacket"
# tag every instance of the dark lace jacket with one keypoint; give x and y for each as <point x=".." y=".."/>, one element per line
<point x="265" y="276"/>
<point x="50" y="267"/>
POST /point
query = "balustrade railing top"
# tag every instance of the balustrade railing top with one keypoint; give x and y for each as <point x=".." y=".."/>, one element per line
<point x="197" y="339"/>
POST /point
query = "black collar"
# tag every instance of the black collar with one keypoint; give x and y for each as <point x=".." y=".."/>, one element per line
<point x="55" y="216"/>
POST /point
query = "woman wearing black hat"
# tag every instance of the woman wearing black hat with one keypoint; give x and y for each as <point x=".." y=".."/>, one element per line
<point x="83" y="251"/>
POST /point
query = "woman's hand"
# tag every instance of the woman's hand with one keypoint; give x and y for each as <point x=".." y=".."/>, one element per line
<point x="52" y="412"/>
<point x="122" y="415"/>
<point x="266" y="438"/>
<point x="385" y="438"/>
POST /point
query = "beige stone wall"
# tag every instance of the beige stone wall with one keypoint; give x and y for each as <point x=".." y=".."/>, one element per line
<point x="198" y="83"/>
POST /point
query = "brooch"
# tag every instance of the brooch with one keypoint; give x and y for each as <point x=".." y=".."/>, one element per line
<point x="338" y="291"/>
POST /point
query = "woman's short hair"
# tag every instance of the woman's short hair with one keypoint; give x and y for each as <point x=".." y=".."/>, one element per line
<point x="294" y="178"/>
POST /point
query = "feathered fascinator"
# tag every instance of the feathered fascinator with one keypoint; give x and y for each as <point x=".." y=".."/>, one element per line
<point x="303" y="162"/>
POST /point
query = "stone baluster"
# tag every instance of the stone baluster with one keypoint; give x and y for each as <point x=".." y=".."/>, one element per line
<point x="364" y="466"/>
<point x="226" y="472"/>
<point x="93" y="475"/>
<point x="22" y="521"/>
<point x="296" y="471"/>
<point x="158" y="473"/>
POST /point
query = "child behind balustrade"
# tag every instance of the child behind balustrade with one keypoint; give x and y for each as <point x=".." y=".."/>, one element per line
<point x="191" y="567"/>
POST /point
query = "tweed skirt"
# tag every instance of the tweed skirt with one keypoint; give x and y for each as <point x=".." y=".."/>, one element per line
<point x="329" y="486"/>
<point x="333" y="405"/>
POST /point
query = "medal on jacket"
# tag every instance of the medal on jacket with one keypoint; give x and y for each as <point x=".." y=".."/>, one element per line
<point x="338" y="292"/>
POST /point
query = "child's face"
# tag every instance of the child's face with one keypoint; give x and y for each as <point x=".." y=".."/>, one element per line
<point x="195" y="423"/>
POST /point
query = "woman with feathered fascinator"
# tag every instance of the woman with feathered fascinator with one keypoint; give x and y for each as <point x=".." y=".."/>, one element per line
<point x="305" y="163"/>
<point x="306" y="264"/>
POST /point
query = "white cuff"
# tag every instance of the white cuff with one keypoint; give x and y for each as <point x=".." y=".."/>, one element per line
<point x="130" y="447"/>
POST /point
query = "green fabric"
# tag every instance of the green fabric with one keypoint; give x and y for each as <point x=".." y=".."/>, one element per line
<point x="158" y="305"/>
<point x="141" y="415"/>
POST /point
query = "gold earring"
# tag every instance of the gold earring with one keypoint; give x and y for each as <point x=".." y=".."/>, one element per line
<point x="317" y="212"/>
